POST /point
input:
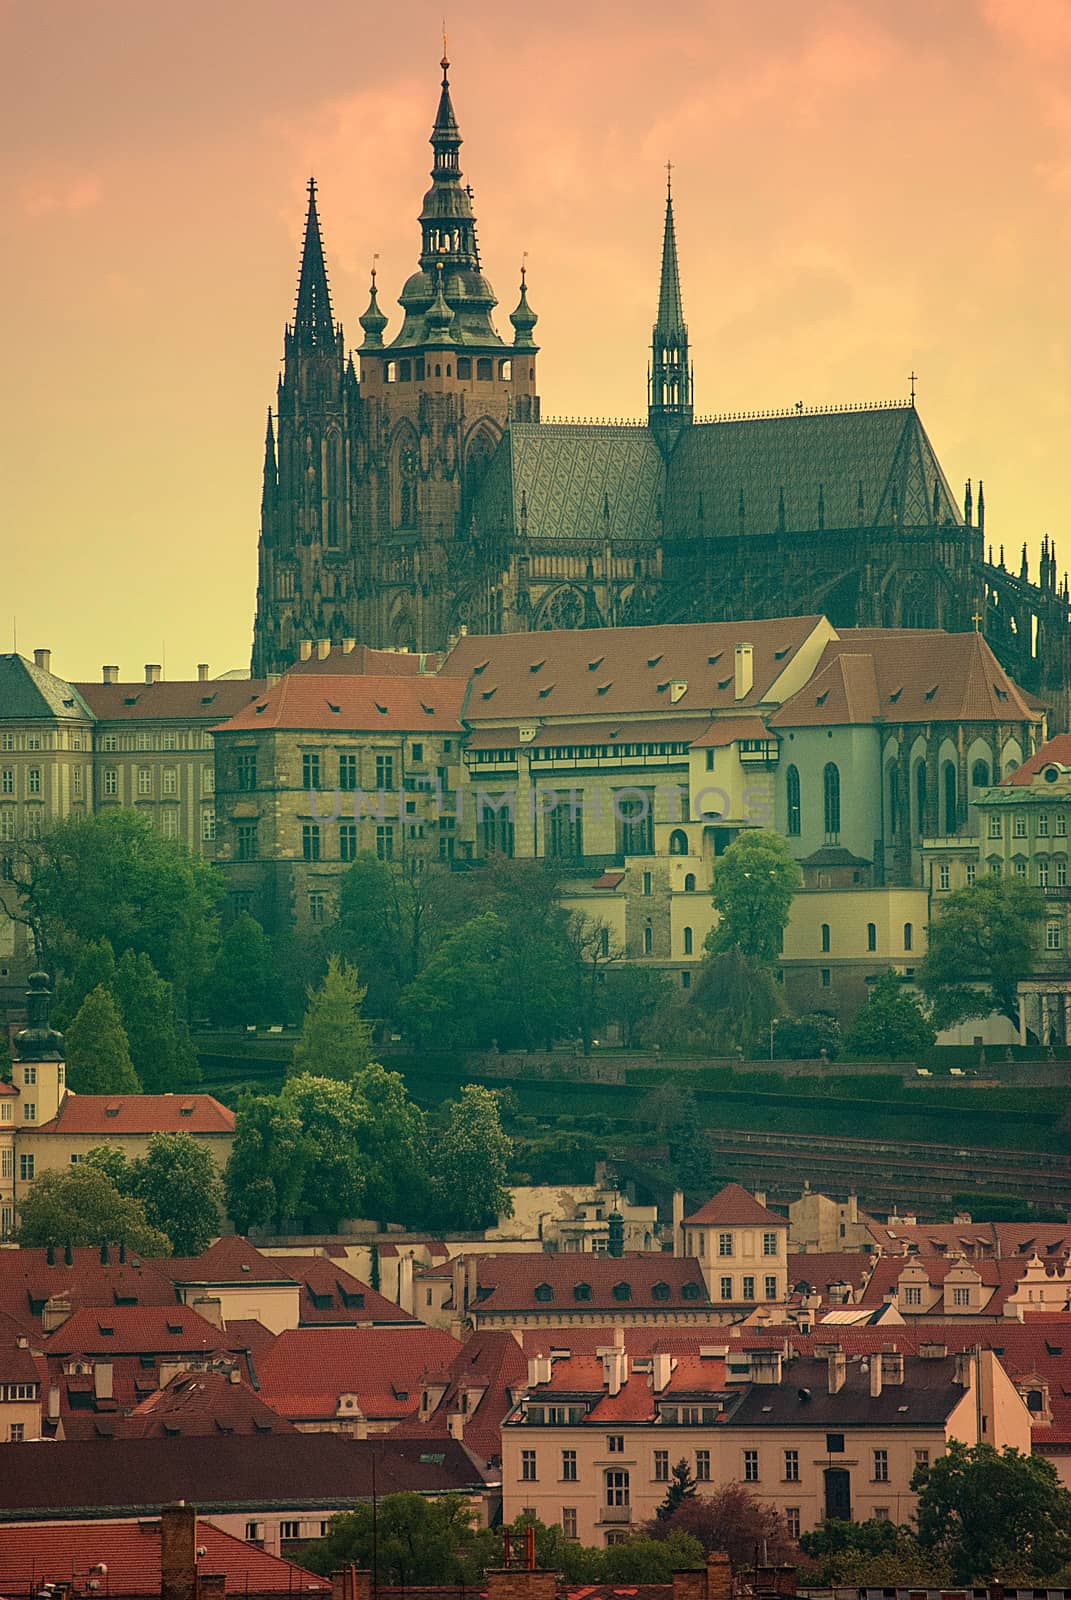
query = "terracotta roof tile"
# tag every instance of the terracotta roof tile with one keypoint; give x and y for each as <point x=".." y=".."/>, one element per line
<point x="231" y="1259"/>
<point x="28" y="1280"/>
<point x="354" y="703"/>
<point x="534" y="1280"/>
<point x="735" y="1207"/>
<point x="140" y="1113"/>
<point x="365" y="659"/>
<point x="181" y="701"/>
<point x="491" y="1361"/>
<point x="135" y="1330"/>
<point x="1055" y="750"/>
<point x="330" y="1294"/>
<point x="199" y="1403"/>
<point x="308" y="1370"/>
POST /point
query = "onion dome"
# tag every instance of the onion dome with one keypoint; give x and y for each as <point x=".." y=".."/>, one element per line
<point x="373" y="322"/>
<point x="439" y="316"/>
<point x="523" y="318"/>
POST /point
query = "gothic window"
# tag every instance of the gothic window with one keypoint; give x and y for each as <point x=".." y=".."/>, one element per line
<point x="792" y="788"/>
<point x="464" y="366"/>
<point x="564" y="609"/>
<point x="689" y="883"/>
<point x="920" y="794"/>
<point x="405" y="371"/>
<point x="635" y="822"/>
<point x="335" y="489"/>
<point x="505" y="370"/>
<point x="407" y="464"/>
<point x="831" y="799"/>
<point x="980" y="775"/>
<point x="894" y="800"/>
<point x="948" y="780"/>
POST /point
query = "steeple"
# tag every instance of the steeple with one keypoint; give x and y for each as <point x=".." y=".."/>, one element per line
<point x="523" y="318"/>
<point x="373" y="322"/>
<point x="313" y="324"/>
<point x="670" y="398"/>
<point x="271" y="474"/>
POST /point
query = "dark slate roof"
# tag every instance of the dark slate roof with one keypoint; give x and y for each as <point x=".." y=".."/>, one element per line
<point x="576" y="481"/>
<point x="925" y="1399"/>
<point x="28" y="692"/>
<point x="882" y="454"/>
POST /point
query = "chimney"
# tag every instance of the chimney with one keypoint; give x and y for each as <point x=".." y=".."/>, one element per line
<point x="470" y="1281"/>
<point x="304" y="649"/>
<point x="348" y="646"/>
<point x="875" y="1375"/>
<point x="521" y="1583"/>
<point x="43" y="659"/>
<point x="211" y="1585"/>
<point x="892" y="1366"/>
<point x="614" y="1363"/>
<point x="323" y="649"/>
<point x="210" y="1307"/>
<point x="457" y="1269"/>
<point x="760" y="1196"/>
<point x="661" y="1370"/>
<point x="53" y="1403"/>
<point x="963" y="1372"/>
<point x="109" y="674"/>
<point x="853" y="1208"/>
<point x="837" y="1367"/>
<point x="677" y="690"/>
<point x="152" y="672"/>
<point x="744" y="657"/>
<point x="539" y="1370"/>
<point x="719" y="1576"/>
<point x="350" y="1583"/>
<point x="455" y="1425"/>
<point x="234" y="1376"/>
<point x="202" y="672"/>
<point x="103" y="1386"/>
<point x="678" y="1222"/>
<point x="178" y="1552"/>
<point x="406" y="1297"/>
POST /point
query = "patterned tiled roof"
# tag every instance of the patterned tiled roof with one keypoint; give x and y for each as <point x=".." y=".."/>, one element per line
<point x="29" y="693"/>
<point x="537" y="1281"/>
<point x="354" y="702"/>
<point x="330" y="1294"/>
<point x="198" y="1403"/>
<point x="231" y="1259"/>
<point x="490" y="1361"/>
<point x="135" y="1330"/>
<point x="28" y="1280"/>
<point x="575" y="482"/>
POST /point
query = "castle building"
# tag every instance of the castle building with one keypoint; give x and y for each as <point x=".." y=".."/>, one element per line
<point x="412" y="492"/>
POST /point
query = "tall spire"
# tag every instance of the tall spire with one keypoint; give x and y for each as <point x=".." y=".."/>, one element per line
<point x="271" y="471"/>
<point x="670" y="399"/>
<point x="313" y="322"/>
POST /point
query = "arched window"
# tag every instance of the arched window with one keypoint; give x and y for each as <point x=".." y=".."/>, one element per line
<point x="894" y="798"/>
<point x="871" y="936"/>
<point x="464" y="366"/>
<point x="483" y="367"/>
<point x="920" y="795"/>
<point x="678" y="842"/>
<point x="825" y="936"/>
<point x="647" y="937"/>
<point x="405" y="371"/>
<point x="792" y="791"/>
<point x="689" y="883"/>
<point x="831" y="799"/>
<point x="687" y="941"/>
<point x="980" y="775"/>
<point x="908" y="935"/>
<point x="948" y="779"/>
<point x="336" y="488"/>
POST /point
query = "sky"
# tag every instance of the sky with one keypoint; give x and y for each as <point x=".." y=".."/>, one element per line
<point x="863" y="188"/>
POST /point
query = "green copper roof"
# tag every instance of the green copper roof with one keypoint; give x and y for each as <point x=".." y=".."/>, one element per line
<point x="561" y="481"/>
<point x="670" y="309"/>
<point x="804" y="472"/>
<point x="28" y="693"/>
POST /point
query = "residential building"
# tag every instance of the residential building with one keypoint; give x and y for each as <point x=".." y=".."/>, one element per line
<point x="469" y="1399"/>
<point x="741" y="1248"/>
<point x="355" y="1381"/>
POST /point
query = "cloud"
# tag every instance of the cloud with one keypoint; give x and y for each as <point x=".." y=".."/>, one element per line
<point x="1040" y="28"/>
<point x="59" y="194"/>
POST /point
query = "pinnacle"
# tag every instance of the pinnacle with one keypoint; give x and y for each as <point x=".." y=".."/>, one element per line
<point x="313" y="322"/>
<point x="670" y="308"/>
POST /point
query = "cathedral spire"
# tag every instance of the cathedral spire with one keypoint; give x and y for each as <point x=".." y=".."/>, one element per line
<point x="313" y="323"/>
<point x="271" y="471"/>
<point x="670" y="399"/>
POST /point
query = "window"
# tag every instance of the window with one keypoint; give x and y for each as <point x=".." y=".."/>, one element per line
<point x="7" y="741"/>
<point x="871" y="936"/>
<point x="725" y="1244"/>
<point x="16" y="1432"/>
<point x="483" y="367"/>
<point x="792" y="1466"/>
<point x="769" y="1288"/>
<point x="1061" y="873"/>
<point x="1061" y="824"/>
<point x="1043" y="826"/>
<point x="661" y="1466"/>
<point x="76" y="782"/>
<point x="648" y="941"/>
<point x="647" y="883"/>
<point x="996" y="828"/>
<point x="881" y="1466"/>
<point x="972" y="873"/>
<point x="912" y="1293"/>
<point x="951" y="807"/>
<point x="727" y="1288"/>
<point x="922" y="1458"/>
<point x="615" y="1443"/>
<point x="880" y="1513"/>
<point x="616" y="1482"/>
<point x="169" y="823"/>
<point x="247" y="769"/>
<point x="26" y="1165"/>
<point x="1043" y="873"/>
<point x="908" y="933"/>
<point x="792" y="795"/>
<point x="208" y="780"/>
<point x="569" y="1466"/>
<point x="825" y="936"/>
<point x="317" y="907"/>
<point x="1053" y="936"/>
<point x="528" y="1466"/>
<point x="33" y="780"/>
<point x="824" y="977"/>
<point x="1019" y="869"/>
<point x="894" y="799"/>
<point x="290" y="1530"/>
<point x="347" y="841"/>
<point x="7" y="825"/>
<point x="769" y="1243"/>
<point x="29" y="1111"/>
<point x="208" y="825"/>
<point x="310" y="841"/>
<point x="385" y="841"/>
<point x="834" y="1444"/>
<point x="145" y="780"/>
<point x="687" y="941"/>
<point x="384" y="772"/>
<point x="702" y="1466"/>
<point x="1019" y="825"/>
<point x="831" y="799"/>
<point x="7" y="781"/>
<point x="689" y="883"/>
<point x="792" y="1521"/>
<point x="310" y="770"/>
<point x="110" y="782"/>
<point x="170" y="785"/>
<point x="564" y="837"/>
<point x="29" y="1076"/>
<point x="246" y="836"/>
<point x="751" y="1466"/>
<point x="748" y="1289"/>
<point x="347" y="772"/>
<point x="568" y="1512"/>
<point x="961" y="1297"/>
<point x="943" y="876"/>
<point x="634" y="813"/>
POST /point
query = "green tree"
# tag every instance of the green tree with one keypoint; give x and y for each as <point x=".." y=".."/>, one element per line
<point x="98" y="1056"/>
<point x="92" y="966"/>
<point x="265" y="1174"/>
<point x="335" y="1039"/>
<point x="682" y="1487"/>
<point x="391" y="915"/>
<point x="891" y="1025"/>
<point x="804" y="1038"/>
<point x="160" y="1048"/>
<point x="470" y="1162"/>
<point x="738" y="997"/>
<point x="243" y="985"/>
<point x="111" y="876"/>
<point x="983" y="940"/>
<point x="632" y="996"/>
<point x="729" y="1518"/>
<point x="994" y="1516"/>
<point x="872" y="1555"/>
<point x="406" y="1540"/>
<point x="83" y="1206"/>
<point x="179" y="1187"/>
<point x="754" y="882"/>
<point x="394" y="1147"/>
<point x="333" y="1126"/>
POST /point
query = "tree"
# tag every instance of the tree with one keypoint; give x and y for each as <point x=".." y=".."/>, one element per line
<point x="394" y="1147"/>
<point x="682" y="1487"/>
<point x="82" y="1206"/>
<point x="335" y="1039"/>
<point x="471" y="1162"/>
<point x="98" y="1056"/>
<point x="391" y="915"/>
<point x="993" y="1515"/>
<point x="632" y="995"/>
<point x="592" y="950"/>
<point x="754" y="882"/>
<point x="891" y="1025"/>
<point x="406" y="1540"/>
<point x="179" y="1187"/>
<point x="333" y="1125"/>
<point x="243" y="985"/>
<point x="729" y="1519"/>
<point x="738" y="998"/>
<point x="872" y="1555"/>
<point x="160" y="1048"/>
<point x="92" y="967"/>
<point x="265" y="1174"/>
<point x="982" y="942"/>
<point x="804" y="1038"/>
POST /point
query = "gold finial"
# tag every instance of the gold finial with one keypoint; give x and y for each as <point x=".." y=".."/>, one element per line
<point x="669" y="180"/>
<point x="524" y="268"/>
<point x="375" y="258"/>
<point x="445" y="62"/>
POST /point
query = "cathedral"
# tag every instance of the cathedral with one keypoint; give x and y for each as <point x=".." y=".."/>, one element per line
<point x="411" y="491"/>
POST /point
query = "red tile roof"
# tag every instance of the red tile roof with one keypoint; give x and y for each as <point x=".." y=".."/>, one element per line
<point x="1055" y="750"/>
<point x="202" y="1403"/>
<point x="728" y="730"/>
<point x="736" y="1208"/>
<point x="308" y="1370"/>
<point x="820" y="1268"/>
<point x="181" y="701"/>
<point x="619" y="670"/>
<point x="135" y="1331"/>
<point x="139" y="1113"/>
<point x="28" y="1281"/>
<point x="536" y="1281"/>
<point x="492" y="1362"/>
<point x="364" y="658"/>
<point x="355" y="704"/>
<point x="45" y="1554"/>
<point x="231" y="1259"/>
<point x="330" y="1294"/>
<point x="248" y="1334"/>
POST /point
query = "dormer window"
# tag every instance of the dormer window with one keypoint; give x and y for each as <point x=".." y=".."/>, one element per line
<point x="582" y="1291"/>
<point x="622" y="1291"/>
<point x="660" y="1291"/>
<point x="543" y="1291"/>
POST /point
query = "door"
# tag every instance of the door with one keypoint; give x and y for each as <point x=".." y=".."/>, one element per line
<point x="838" y="1493"/>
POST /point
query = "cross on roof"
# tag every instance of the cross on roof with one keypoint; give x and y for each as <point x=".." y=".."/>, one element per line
<point x="914" y="380"/>
<point x="669" y="178"/>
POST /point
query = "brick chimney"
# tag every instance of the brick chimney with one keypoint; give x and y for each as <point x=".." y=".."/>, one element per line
<point x="351" y="1583"/>
<point x="211" y="1585"/>
<point x="714" y="1582"/>
<point x="837" y="1368"/>
<point x="521" y="1583"/>
<point x="178" y="1552"/>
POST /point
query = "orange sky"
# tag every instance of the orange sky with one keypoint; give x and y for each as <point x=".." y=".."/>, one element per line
<point x="861" y="188"/>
